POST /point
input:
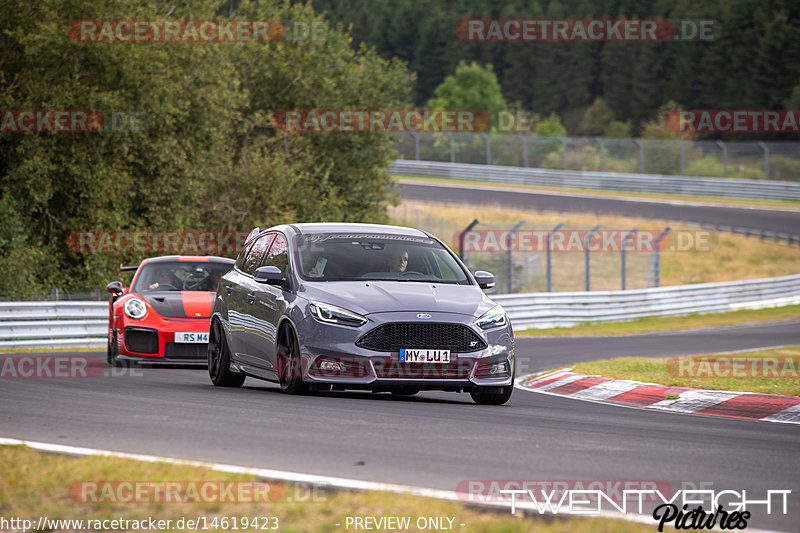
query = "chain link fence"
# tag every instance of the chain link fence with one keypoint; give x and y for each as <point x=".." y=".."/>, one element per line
<point x="580" y="258"/>
<point x="749" y="160"/>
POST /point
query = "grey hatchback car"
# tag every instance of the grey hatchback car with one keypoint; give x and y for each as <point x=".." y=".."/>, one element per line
<point x="318" y="307"/>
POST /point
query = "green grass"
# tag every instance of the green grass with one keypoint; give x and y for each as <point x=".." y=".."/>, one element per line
<point x="650" y="324"/>
<point x="784" y="204"/>
<point x="711" y="372"/>
<point x="34" y="484"/>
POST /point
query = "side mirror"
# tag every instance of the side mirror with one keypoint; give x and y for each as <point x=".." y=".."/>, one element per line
<point x="485" y="279"/>
<point x="271" y="275"/>
<point x="115" y="288"/>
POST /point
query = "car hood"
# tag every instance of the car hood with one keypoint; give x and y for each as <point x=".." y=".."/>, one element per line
<point x="181" y="304"/>
<point x="389" y="296"/>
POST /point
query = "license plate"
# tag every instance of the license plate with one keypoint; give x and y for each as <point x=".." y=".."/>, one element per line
<point x="196" y="338"/>
<point x="425" y="356"/>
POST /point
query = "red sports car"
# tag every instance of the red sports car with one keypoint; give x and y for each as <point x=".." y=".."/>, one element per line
<point x="164" y="316"/>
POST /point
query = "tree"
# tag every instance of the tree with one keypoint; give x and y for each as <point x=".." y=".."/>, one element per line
<point x="472" y="87"/>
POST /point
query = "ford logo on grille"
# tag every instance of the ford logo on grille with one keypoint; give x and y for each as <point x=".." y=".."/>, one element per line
<point x="423" y="315"/>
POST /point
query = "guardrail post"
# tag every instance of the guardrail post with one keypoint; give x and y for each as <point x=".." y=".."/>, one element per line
<point x="683" y="156"/>
<point x="586" y="253"/>
<point x="509" y="257"/>
<point x="416" y="144"/>
<point x="488" y="142"/>
<point x="622" y="252"/>
<point x="724" y="158"/>
<point x="564" y="146"/>
<point x="766" y="158"/>
<point x="524" y="150"/>
<point x="602" y="153"/>
<point x="640" y="144"/>
<point x="549" y="265"/>
<point x="461" y="252"/>
<point x="452" y="146"/>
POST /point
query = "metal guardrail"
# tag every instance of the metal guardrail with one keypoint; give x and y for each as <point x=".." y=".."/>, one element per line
<point x="63" y="324"/>
<point x="84" y="324"/>
<point x="566" y="309"/>
<point x="610" y="181"/>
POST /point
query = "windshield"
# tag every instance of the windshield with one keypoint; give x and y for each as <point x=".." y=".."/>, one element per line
<point x="179" y="276"/>
<point x="351" y="257"/>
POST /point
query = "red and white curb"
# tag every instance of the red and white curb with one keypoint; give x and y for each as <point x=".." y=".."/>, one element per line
<point x="746" y="405"/>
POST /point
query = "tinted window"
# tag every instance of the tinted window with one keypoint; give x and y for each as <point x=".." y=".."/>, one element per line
<point x="256" y="253"/>
<point x="179" y="276"/>
<point x="337" y="257"/>
<point x="278" y="254"/>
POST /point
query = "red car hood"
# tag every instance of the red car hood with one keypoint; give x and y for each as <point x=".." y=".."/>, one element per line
<point x="181" y="304"/>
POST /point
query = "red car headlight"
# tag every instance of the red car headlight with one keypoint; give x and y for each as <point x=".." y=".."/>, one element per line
<point x="135" y="308"/>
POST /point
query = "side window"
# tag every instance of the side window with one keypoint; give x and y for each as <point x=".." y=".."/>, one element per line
<point x="278" y="254"/>
<point x="256" y="253"/>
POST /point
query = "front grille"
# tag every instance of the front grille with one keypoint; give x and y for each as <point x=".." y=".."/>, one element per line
<point x="173" y="350"/>
<point x="141" y="340"/>
<point x="396" y="336"/>
<point x="396" y="370"/>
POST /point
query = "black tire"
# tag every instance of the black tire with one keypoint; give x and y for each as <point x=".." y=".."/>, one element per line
<point x="288" y="363"/>
<point x="219" y="359"/>
<point x="492" y="395"/>
<point x="113" y="354"/>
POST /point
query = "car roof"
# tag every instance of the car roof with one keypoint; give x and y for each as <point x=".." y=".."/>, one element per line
<point x="190" y="258"/>
<point x="344" y="227"/>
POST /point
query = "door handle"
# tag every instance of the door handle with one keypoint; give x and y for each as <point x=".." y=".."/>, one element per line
<point x="229" y="288"/>
<point x="251" y="297"/>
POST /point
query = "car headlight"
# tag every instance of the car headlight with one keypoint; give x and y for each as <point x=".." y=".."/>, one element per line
<point x="135" y="308"/>
<point x="332" y="314"/>
<point x="493" y="318"/>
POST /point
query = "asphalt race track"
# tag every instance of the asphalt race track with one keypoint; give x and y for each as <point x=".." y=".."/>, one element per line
<point x="759" y="219"/>
<point x="431" y="440"/>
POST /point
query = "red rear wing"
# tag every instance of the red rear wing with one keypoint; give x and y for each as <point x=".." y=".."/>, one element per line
<point x="128" y="268"/>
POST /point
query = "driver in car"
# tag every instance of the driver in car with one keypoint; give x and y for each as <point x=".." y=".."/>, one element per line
<point x="398" y="261"/>
<point x="163" y="278"/>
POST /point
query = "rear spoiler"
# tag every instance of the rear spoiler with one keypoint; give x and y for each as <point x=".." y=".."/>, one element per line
<point x="128" y="268"/>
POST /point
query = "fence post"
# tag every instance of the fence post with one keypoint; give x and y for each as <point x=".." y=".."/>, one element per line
<point x="510" y="258"/>
<point x="586" y="252"/>
<point x="524" y="149"/>
<point x="640" y="144"/>
<point x="724" y="158"/>
<point x="683" y="156"/>
<point x="487" y="140"/>
<point x="416" y="144"/>
<point x="622" y="251"/>
<point x="564" y="145"/>
<point x="549" y="266"/>
<point x="602" y="153"/>
<point x="452" y="146"/>
<point x="657" y="258"/>
<point x="461" y="252"/>
<point x="766" y="159"/>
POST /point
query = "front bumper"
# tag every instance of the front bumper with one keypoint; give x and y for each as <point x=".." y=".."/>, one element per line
<point x="149" y="344"/>
<point x="368" y="369"/>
